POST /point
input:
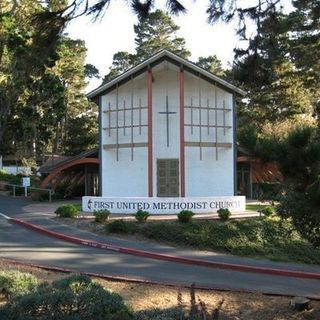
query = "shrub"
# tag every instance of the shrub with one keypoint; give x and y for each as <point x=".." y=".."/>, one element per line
<point x="39" y="196"/>
<point x="172" y="313"/>
<point x="76" y="297"/>
<point x="10" y="178"/>
<point x="303" y="208"/>
<point x="267" y="211"/>
<point x="224" y="214"/>
<point x="67" y="211"/>
<point x="118" y="226"/>
<point x="269" y="238"/>
<point x="185" y="216"/>
<point x="78" y="206"/>
<point x="14" y="283"/>
<point x="141" y="215"/>
<point x="101" y="215"/>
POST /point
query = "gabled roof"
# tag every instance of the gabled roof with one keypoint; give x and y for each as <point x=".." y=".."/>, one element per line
<point x="156" y="59"/>
<point x="50" y="164"/>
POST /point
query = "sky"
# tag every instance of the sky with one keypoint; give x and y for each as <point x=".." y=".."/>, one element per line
<point x="115" y="33"/>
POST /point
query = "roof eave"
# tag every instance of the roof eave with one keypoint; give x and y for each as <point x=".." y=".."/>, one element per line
<point x="126" y="74"/>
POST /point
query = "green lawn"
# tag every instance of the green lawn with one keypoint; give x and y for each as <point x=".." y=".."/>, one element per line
<point x="255" y="206"/>
<point x="260" y="237"/>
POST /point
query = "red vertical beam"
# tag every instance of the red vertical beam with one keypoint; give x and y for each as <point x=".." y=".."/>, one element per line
<point x="150" y="152"/>
<point x="182" y="145"/>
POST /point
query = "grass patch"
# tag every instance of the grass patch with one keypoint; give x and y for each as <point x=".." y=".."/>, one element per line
<point x="78" y="206"/>
<point x="256" y="206"/>
<point x="260" y="237"/>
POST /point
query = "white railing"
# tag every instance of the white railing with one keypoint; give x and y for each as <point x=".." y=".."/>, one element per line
<point x="26" y="189"/>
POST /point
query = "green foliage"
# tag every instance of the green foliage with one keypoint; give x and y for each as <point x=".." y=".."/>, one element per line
<point x="275" y="67"/>
<point x="185" y="216"/>
<point x="82" y="133"/>
<point x="266" y="191"/>
<point x="14" y="283"/>
<point x="67" y="211"/>
<point x="298" y="157"/>
<point x="78" y="206"/>
<point x="224" y="214"/>
<point x="247" y="137"/>
<point x="267" y="211"/>
<point x="76" y="297"/>
<point x="255" y="207"/>
<point x="41" y="83"/>
<point x="121" y="62"/>
<point x="120" y="226"/>
<point x="159" y="314"/>
<point x="142" y="216"/>
<point x="154" y="32"/>
<point x="266" y="238"/>
<point x="101" y="215"/>
<point x="90" y="71"/>
<point x="211" y="64"/>
<point x="10" y="178"/>
<point x="303" y="209"/>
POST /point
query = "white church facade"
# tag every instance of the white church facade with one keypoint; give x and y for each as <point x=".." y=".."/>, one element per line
<point x="167" y="131"/>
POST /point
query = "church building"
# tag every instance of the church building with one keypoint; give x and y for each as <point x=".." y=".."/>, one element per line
<point x="167" y="129"/>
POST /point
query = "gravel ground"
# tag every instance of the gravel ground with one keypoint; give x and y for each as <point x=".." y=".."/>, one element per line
<point x="236" y="306"/>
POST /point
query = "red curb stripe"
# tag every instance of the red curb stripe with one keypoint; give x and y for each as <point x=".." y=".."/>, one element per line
<point x="127" y="279"/>
<point x="165" y="257"/>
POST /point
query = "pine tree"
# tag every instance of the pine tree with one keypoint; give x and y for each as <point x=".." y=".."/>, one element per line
<point x="155" y="32"/>
<point x="41" y="81"/>
<point x="275" y="88"/>
<point x="211" y="64"/>
<point x="304" y="44"/>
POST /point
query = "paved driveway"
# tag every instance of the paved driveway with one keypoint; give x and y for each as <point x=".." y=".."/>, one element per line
<point x="24" y="245"/>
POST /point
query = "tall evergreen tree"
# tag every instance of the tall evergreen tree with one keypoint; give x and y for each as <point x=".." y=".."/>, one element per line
<point x="303" y="26"/>
<point x="211" y="64"/>
<point x="122" y="61"/>
<point x="41" y="81"/>
<point x="158" y="31"/>
<point x="155" y="32"/>
<point x="25" y="54"/>
<point x="269" y="74"/>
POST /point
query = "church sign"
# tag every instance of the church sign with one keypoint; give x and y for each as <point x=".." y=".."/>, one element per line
<point x="163" y="205"/>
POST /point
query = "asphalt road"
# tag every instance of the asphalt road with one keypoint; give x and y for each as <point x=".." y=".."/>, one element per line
<point x="22" y="244"/>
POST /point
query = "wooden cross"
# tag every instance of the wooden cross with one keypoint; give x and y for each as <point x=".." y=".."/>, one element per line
<point x="167" y="113"/>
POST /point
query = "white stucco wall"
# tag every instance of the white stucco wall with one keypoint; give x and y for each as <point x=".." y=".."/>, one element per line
<point x="212" y="175"/>
<point x="125" y="177"/>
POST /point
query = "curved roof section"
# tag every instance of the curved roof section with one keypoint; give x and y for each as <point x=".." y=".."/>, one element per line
<point x="156" y="59"/>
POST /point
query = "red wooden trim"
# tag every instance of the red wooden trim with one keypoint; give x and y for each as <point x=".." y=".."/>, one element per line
<point x="150" y="154"/>
<point x="182" y="143"/>
<point x="65" y="166"/>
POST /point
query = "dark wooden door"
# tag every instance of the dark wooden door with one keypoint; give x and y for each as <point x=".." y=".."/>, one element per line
<point x="168" y="177"/>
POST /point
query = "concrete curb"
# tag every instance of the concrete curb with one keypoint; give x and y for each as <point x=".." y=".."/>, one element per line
<point x="165" y="257"/>
<point x="126" y="279"/>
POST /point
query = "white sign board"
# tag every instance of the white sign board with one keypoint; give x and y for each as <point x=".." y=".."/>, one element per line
<point x="163" y="205"/>
<point x="25" y="182"/>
